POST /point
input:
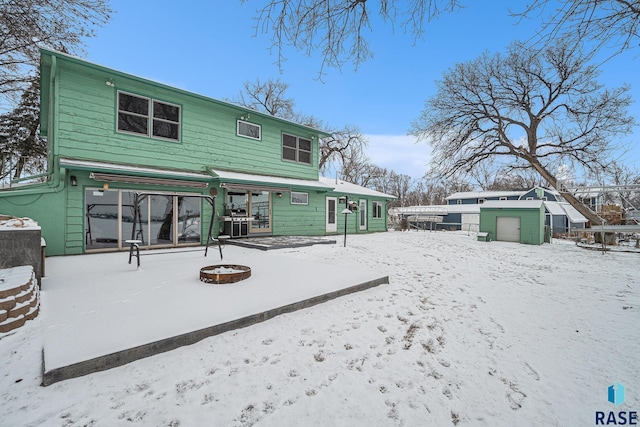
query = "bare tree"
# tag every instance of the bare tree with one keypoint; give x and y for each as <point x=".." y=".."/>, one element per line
<point x="22" y="150"/>
<point x="338" y="28"/>
<point x="270" y="97"/>
<point x="611" y="23"/>
<point x="483" y="107"/>
<point x="27" y="25"/>
<point x="490" y="176"/>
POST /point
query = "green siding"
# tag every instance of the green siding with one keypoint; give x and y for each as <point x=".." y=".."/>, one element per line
<point x="47" y="209"/>
<point x="87" y="129"/>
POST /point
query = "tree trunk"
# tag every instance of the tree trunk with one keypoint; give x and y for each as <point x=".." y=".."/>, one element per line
<point x="593" y="218"/>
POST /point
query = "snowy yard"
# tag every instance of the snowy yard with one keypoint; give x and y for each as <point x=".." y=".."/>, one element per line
<point x="466" y="333"/>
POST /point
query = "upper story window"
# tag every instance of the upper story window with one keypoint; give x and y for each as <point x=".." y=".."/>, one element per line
<point x="296" y="149"/>
<point x="148" y="117"/>
<point x="249" y="130"/>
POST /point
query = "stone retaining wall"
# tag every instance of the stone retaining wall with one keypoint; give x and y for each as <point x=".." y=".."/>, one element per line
<point x="19" y="297"/>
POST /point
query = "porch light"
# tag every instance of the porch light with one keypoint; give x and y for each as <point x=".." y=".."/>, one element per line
<point x="73" y="180"/>
<point x="105" y="186"/>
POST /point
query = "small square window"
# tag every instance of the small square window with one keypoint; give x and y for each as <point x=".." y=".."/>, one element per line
<point x="299" y="198"/>
<point x="249" y="130"/>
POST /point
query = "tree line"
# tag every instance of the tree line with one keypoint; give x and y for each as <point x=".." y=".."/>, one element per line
<point x="503" y="119"/>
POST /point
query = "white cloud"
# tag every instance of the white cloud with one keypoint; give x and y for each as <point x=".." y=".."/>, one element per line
<point x="400" y="153"/>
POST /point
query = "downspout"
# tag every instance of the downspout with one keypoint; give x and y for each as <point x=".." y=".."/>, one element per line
<point x="58" y="179"/>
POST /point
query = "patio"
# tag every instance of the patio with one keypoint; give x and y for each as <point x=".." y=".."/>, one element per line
<point x="101" y="312"/>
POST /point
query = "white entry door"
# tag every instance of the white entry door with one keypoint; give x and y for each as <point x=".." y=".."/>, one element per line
<point x="363" y="214"/>
<point x="332" y="215"/>
<point x="508" y="229"/>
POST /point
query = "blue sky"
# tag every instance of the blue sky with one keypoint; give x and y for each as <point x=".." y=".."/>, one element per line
<point x="211" y="48"/>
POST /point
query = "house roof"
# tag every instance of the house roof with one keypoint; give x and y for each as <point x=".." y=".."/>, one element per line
<point x="340" y="186"/>
<point x="95" y="166"/>
<point x="245" y="181"/>
<point x="484" y="194"/>
<point x="572" y="213"/>
<point x="437" y="209"/>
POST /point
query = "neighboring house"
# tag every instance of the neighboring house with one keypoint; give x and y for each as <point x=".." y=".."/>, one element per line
<point x="128" y="154"/>
<point x="462" y="211"/>
<point x="479" y="197"/>
<point x="593" y="197"/>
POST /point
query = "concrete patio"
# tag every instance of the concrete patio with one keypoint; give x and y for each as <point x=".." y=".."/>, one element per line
<point x="101" y="312"/>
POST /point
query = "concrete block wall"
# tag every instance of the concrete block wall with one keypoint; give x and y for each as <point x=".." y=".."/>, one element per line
<point x="21" y="247"/>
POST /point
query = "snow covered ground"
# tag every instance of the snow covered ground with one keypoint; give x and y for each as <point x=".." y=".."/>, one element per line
<point x="466" y="333"/>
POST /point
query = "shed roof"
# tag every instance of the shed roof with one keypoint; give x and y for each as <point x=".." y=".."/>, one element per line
<point x="341" y="186"/>
<point x="512" y="204"/>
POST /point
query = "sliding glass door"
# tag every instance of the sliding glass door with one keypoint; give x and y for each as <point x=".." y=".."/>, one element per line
<point x="161" y="219"/>
<point x="260" y="212"/>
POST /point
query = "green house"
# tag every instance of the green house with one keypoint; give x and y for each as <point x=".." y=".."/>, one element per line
<point x="131" y="158"/>
<point x="520" y="221"/>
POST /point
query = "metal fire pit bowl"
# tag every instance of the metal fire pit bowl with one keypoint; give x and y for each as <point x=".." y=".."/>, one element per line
<point x="221" y="274"/>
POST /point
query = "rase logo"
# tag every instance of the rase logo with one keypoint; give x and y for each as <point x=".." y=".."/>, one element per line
<point x="615" y="395"/>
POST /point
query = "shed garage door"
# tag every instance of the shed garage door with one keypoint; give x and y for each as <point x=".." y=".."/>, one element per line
<point x="508" y="229"/>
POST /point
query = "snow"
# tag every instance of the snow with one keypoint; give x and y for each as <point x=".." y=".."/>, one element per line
<point x="523" y="204"/>
<point x="225" y="175"/>
<point x="14" y="277"/>
<point x="11" y="223"/>
<point x="108" y="305"/>
<point x="467" y="333"/>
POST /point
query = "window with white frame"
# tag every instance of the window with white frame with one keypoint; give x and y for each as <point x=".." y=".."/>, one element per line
<point x="249" y="130"/>
<point x="299" y="198"/>
<point x="149" y="117"/>
<point x="376" y="207"/>
<point x="459" y="202"/>
<point x="296" y="149"/>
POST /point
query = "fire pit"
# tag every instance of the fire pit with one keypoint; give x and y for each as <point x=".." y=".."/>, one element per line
<point x="224" y="273"/>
